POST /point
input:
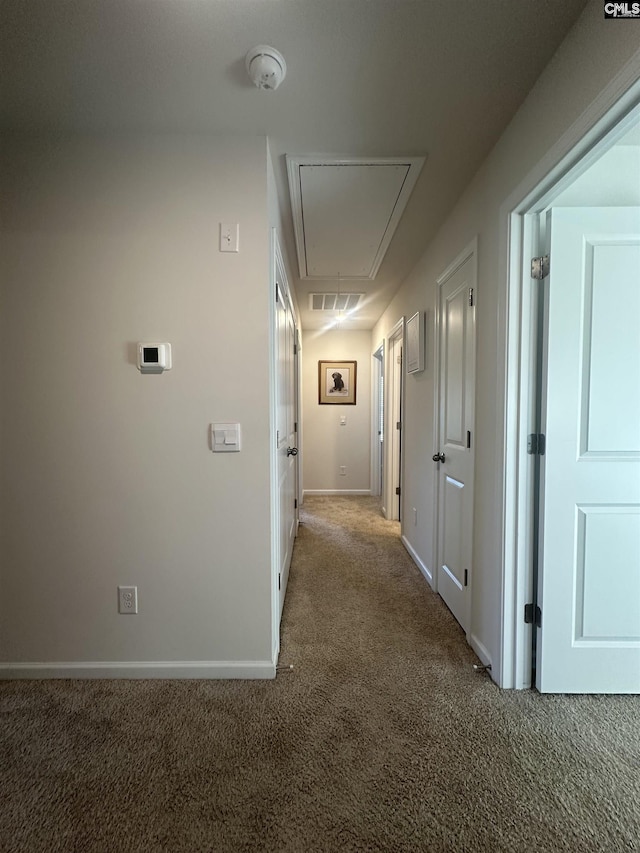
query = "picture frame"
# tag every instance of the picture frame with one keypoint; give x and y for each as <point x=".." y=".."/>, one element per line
<point x="337" y="383"/>
<point x="415" y="342"/>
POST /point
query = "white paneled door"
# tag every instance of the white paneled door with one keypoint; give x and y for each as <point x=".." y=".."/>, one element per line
<point x="286" y="429"/>
<point x="393" y="414"/>
<point x="589" y="639"/>
<point x="454" y="455"/>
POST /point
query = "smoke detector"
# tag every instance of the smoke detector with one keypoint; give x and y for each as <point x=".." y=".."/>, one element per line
<point x="266" y="67"/>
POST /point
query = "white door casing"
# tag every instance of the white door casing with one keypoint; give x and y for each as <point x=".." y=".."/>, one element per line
<point x="455" y="411"/>
<point x="589" y="592"/>
<point x="286" y="379"/>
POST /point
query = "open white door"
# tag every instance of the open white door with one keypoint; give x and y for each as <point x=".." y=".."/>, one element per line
<point x="454" y="455"/>
<point x="377" y="422"/>
<point x="286" y="427"/>
<point x="393" y="414"/>
<point x="589" y="639"/>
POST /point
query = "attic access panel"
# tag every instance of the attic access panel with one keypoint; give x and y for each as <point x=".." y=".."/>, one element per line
<point x="346" y="211"/>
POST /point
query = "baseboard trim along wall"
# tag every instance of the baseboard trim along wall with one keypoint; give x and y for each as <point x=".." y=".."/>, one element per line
<point x="481" y="651"/>
<point x="416" y="559"/>
<point x="311" y="492"/>
<point x="141" y="669"/>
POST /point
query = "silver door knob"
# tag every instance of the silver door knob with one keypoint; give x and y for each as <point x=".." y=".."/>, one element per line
<point x="438" y="457"/>
<point x="292" y="451"/>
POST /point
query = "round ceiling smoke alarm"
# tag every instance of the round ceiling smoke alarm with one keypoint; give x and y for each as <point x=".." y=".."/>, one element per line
<point x="266" y="67"/>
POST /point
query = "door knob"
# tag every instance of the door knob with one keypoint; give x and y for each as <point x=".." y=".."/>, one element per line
<point x="438" y="457"/>
<point x="292" y="451"/>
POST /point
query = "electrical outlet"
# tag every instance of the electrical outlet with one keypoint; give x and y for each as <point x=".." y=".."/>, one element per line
<point x="343" y="470"/>
<point x="415" y="516"/>
<point x="127" y="599"/>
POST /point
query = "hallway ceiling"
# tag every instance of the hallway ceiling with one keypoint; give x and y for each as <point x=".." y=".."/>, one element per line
<point x="439" y="79"/>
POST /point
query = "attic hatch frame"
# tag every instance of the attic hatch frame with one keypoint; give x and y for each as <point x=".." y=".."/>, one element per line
<point x="296" y="163"/>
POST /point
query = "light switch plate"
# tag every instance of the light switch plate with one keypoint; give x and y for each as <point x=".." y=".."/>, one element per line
<point x="225" y="437"/>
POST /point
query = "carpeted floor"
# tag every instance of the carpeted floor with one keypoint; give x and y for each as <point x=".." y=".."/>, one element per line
<point x="382" y="738"/>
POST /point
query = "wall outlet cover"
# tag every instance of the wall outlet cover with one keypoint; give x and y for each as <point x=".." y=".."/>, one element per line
<point x="127" y="599"/>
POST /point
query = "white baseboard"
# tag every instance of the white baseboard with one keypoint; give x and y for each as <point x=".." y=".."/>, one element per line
<point x="311" y="492"/>
<point x="141" y="669"/>
<point x="416" y="559"/>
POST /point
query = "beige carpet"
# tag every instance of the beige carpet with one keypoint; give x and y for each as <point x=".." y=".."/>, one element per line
<point x="381" y="739"/>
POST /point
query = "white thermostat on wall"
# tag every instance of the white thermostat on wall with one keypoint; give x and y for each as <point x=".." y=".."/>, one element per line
<point x="154" y="358"/>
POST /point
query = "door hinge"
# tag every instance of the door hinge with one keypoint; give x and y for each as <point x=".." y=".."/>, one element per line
<point x="466" y="577"/>
<point x="471" y="298"/>
<point x="277" y="293"/>
<point x="295" y="426"/>
<point x="468" y="439"/>
<point x="397" y="490"/>
<point x="533" y="615"/>
<point x="295" y="503"/>
<point x="278" y="580"/>
<point x="540" y="267"/>
<point x="536" y="444"/>
<point x="295" y="349"/>
<point x="398" y="424"/>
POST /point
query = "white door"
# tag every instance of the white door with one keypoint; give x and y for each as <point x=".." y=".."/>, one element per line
<point x="589" y="640"/>
<point x="286" y="431"/>
<point x="393" y="414"/>
<point x="455" y="455"/>
<point x="377" y="422"/>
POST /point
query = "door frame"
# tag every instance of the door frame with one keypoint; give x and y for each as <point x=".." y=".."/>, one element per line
<point x="607" y="118"/>
<point x="470" y="252"/>
<point x="394" y="404"/>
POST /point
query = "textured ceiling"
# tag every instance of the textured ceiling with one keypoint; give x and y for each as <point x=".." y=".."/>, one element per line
<point x="365" y="78"/>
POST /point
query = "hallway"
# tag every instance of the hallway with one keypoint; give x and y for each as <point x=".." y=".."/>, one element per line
<point x="381" y="738"/>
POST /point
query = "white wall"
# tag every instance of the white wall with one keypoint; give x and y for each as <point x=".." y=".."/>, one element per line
<point x="585" y="63"/>
<point x="326" y="444"/>
<point x="106" y="475"/>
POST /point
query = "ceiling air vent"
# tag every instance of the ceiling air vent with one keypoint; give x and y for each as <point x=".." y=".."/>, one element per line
<point x="334" y="301"/>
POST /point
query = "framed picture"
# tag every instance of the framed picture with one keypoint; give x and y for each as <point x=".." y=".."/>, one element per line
<point x="337" y="383"/>
<point x="415" y="343"/>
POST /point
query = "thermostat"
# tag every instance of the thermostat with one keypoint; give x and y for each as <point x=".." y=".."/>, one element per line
<point x="154" y="358"/>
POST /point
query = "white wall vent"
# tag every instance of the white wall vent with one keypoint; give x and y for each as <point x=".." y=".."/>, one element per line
<point x="334" y="301"/>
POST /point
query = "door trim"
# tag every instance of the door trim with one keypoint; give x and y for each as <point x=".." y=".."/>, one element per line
<point x="607" y="118"/>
